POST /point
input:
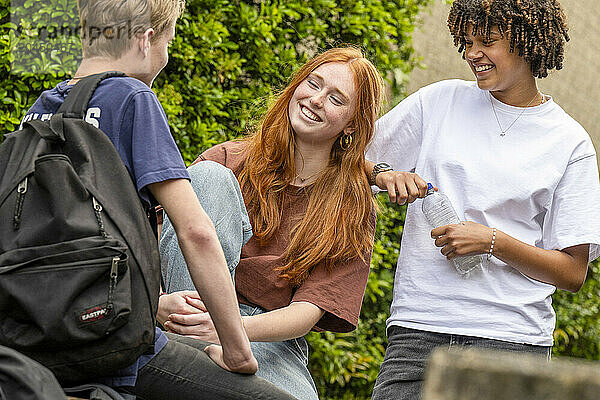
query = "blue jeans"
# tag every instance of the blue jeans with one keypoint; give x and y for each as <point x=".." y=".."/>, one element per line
<point x="401" y="373"/>
<point x="219" y="194"/>
<point x="282" y="363"/>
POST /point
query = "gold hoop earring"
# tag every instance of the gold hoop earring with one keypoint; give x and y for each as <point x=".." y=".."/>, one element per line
<point x="345" y="141"/>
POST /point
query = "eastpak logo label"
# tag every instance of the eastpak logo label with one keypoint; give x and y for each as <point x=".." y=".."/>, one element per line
<point x="93" y="314"/>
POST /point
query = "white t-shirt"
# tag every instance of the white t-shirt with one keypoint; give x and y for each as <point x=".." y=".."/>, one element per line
<point x="539" y="184"/>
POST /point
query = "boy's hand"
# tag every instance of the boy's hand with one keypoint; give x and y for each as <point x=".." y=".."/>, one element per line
<point x="237" y="363"/>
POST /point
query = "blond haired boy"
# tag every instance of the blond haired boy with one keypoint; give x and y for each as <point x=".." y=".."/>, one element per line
<point x="132" y="36"/>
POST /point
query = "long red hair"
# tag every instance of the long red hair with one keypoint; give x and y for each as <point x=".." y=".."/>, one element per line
<point x="336" y="226"/>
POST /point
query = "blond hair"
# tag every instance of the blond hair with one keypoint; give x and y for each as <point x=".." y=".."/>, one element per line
<point x="108" y="26"/>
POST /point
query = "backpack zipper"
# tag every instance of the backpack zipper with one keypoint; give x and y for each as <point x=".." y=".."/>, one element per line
<point x="98" y="210"/>
<point x="21" y="190"/>
<point x="114" y="274"/>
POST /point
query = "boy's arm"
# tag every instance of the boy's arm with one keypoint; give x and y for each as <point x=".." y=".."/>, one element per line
<point x="208" y="270"/>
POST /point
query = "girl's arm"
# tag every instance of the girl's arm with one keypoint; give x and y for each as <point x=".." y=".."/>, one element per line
<point x="290" y="322"/>
<point x="566" y="269"/>
<point x="285" y="323"/>
<point x="402" y="187"/>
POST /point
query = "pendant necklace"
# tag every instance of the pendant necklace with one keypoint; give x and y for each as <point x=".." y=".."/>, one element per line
<point x="503" y="131"/>
<point x="302" y="180"/>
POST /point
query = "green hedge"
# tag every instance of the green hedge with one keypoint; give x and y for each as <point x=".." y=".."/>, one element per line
<point x="228" y="59"/>
<point x="577" y="332"/>
<point x="345" y="366"/>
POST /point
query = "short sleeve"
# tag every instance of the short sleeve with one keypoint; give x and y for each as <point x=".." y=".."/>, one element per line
<point x="339" y="292"/>
<point x="230" y="154"/>
<point x="154" y="154"/>
<point x="398" y="135"/>
<point x="216" y="153"/>
<point x="572" y="218"/>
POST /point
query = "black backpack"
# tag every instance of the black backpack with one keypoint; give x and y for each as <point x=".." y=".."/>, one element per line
<point x="21" y="378"/>
<point x="79" y="264"/>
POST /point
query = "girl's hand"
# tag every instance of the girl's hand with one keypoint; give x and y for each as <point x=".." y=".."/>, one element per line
<point x="197" y="326"/>
<point x="183" y="302"/>
<point x="402" y="186"/>
<point x="462" y="239"/>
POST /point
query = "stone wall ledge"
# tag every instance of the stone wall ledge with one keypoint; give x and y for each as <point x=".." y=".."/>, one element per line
<point x="491" y="375"/>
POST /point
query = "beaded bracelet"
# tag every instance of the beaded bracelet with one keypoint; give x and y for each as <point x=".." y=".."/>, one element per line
<point x="493" y="243"/>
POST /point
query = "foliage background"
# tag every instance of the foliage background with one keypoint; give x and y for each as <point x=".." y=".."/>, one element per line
<point x="228" y="59"/>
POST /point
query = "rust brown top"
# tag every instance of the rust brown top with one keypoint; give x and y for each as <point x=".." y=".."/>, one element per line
<point x="339" y="292"/>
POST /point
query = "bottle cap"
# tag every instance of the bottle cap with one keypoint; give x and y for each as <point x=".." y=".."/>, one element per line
<point x="430" y="188"/>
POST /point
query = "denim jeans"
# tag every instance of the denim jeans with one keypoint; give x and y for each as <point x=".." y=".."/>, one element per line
<point x="282" y="363"/>
<point x="183" y="371"/>
<point x="401" y="373"/>
<point x="219" y="194"/>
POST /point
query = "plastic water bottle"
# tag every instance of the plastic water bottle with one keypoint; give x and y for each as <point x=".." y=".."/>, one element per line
<point x="438" y="211"/>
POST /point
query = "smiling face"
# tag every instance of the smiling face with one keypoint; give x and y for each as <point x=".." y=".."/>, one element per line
<point x="494" y="66"/>
<point x="323" y="104"/>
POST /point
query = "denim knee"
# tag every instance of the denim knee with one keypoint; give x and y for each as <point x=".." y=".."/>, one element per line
<point x="218" y="192"/>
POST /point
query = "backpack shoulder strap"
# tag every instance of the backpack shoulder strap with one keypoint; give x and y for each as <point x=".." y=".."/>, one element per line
<point x="75" y="105"/>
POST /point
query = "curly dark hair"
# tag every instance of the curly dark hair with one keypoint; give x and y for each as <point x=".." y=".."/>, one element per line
<point x="537" y="29"/>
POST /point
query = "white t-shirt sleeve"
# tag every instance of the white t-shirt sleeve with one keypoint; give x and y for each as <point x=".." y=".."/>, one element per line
<point x="398" y="135"/>
<point x="572" y="218"/>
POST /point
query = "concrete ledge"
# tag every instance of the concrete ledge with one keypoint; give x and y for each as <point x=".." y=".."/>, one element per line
<point x="488" y="375"/>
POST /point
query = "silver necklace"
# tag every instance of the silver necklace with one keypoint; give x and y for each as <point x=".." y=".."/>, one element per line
<point x="503" y="131"/>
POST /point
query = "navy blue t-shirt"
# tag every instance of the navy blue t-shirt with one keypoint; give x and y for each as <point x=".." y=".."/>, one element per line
<point x="129" y="113"/>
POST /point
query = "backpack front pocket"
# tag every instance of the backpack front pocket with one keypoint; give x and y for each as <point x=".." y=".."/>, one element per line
<point x="57" y="296"/>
